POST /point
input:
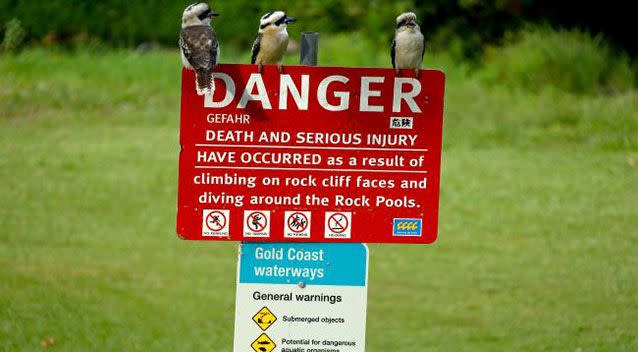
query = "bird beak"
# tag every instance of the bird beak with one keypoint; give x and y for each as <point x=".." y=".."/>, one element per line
<point x="412" y="23"/>
<point x="213" y="14"/>
<point x="290" y="20"/>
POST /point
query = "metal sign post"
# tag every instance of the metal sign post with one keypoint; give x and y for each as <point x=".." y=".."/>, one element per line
<point x="309" y="49"/>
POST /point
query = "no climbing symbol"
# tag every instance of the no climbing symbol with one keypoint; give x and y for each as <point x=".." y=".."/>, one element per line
<point x="256" y="223"/>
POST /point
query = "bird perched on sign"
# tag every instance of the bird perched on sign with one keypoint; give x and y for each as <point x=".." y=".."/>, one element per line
<point x="408" y="46"/>
<point x="199" y="46"/>
<point x="272" y="40"/>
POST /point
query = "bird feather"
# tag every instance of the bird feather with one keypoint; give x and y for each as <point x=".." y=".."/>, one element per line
<point x="201" y="50"/>
<point x="200" y="46"/>
<point x="393" y="52"/>
<point x="255" y="49"/>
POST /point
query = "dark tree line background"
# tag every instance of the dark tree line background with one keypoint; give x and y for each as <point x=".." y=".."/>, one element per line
<point x="473" y="23"/>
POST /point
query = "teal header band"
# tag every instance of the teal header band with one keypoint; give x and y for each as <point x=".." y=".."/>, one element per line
<point x="334" y="264"/>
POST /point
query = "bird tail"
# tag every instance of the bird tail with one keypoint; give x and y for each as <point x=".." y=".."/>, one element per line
<point x="205" y="82"/>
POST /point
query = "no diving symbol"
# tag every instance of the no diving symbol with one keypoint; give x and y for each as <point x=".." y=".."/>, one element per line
<point x="338" y="223"/>
<point x="257" y="221"/>
<point x="216" y="221"/>
<point x="297" y="222"/>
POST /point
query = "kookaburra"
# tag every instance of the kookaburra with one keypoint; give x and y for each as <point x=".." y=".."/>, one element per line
<point x="272" y="40"/>
<point x="408" y="46"/>
<point x="199" y="46"/>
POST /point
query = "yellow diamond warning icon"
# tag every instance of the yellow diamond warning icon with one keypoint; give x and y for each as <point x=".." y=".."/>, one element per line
<point x="263" y="344"/>
<point x="264" y="318"/>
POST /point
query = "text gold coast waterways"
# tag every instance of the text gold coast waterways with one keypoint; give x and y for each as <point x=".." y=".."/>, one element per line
<point x="292" y="254"/>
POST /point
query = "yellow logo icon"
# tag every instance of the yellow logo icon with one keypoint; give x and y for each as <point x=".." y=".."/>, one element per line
<point x="407" y="225"/>
<point x="264" y="318"/>
<point x="263" y="344"/>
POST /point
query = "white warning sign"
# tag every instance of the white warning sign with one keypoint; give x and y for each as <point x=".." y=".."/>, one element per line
<point x="295" y="297"/>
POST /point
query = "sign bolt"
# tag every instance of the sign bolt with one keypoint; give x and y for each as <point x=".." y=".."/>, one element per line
<point x="302" y="284"/>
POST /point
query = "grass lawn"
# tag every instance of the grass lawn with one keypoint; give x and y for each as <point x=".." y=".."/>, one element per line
<point x="538" y="246"/>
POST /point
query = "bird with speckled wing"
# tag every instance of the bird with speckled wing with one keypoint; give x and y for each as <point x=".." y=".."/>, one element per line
<point x="408" y="46"/>
<point x="198" y="45"/>
<point x="272" y="40"/>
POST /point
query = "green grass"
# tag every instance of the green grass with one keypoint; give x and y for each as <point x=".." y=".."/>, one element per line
<point x="538" y="238"/>
<point x="536" y="58"/>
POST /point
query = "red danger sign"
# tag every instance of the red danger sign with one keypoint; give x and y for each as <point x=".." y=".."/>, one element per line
<point x="356" y="151"/>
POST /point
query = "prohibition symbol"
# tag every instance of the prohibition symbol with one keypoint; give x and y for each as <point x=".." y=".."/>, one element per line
<point x="216" y="221"/>
<point x="297" y="222"/>
<point x="256" y="221"/>
<point x="338" y="223"/>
